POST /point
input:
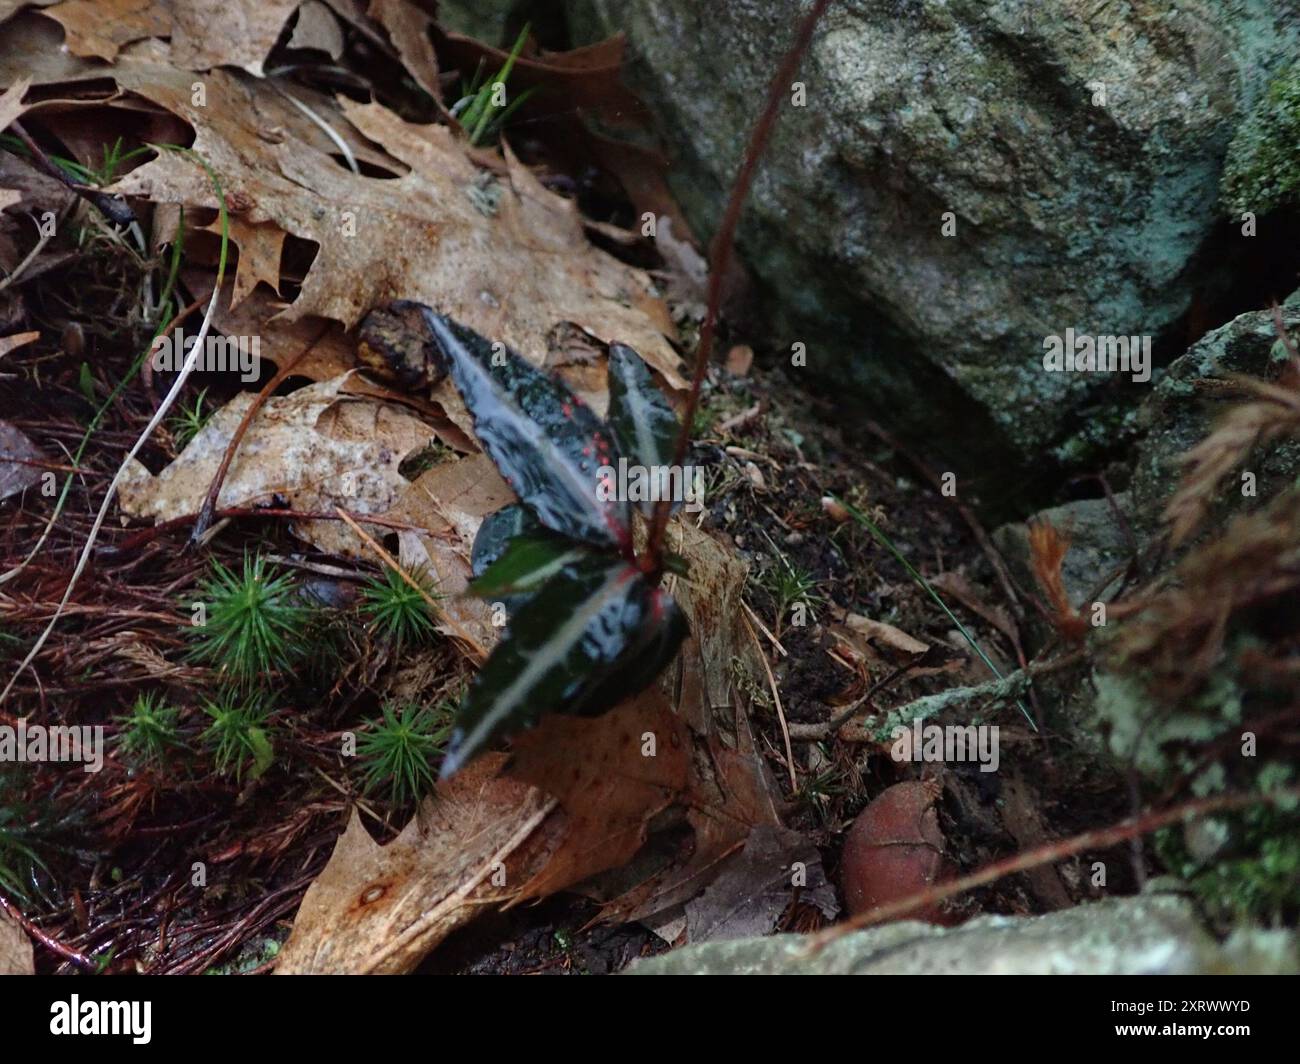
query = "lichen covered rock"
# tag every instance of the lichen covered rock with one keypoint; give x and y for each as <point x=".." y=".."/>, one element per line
<point x="1263" y="165"/>
<point x="1147" y="935"/>
<point x="1075" y="153"/>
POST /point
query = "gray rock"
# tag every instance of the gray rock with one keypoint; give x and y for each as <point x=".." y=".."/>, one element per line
<point x="1151" y="934"/>
<point x="1098" y="545"/>
<point x="489" y="21"/>
<point x="1184" y="405"/>
<point x="1070" y="213"/>
<point x="1180" y="413"/>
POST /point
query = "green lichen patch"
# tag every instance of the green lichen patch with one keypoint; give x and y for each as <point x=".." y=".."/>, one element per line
<point x="1262" y="171"/>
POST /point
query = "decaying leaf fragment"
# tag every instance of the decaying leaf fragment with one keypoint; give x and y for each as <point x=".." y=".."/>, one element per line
<point x="380" y="909"/>
<point x="17" y="457"/>
<point x="310" y="451"/>
<point x="15" y="948"/>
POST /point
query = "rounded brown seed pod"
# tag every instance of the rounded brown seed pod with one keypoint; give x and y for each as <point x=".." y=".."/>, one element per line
<point x="894" y="849"/>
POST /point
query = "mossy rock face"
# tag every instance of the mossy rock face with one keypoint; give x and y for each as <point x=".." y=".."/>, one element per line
<point x="1078" y="153"/>
<point x="1262" y="172"/>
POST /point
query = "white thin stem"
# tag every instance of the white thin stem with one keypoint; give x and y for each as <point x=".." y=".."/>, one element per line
<point x="190" y="361"/>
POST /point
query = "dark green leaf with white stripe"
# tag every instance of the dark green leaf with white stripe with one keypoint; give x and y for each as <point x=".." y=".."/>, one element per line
<point x="547" y="443"/>
<point x="526" y="564"/>
<point x="493" y="540"/>
<point x="575" y="647"/>
<point x="496" y="532"/>
<point x="640" y="417"/>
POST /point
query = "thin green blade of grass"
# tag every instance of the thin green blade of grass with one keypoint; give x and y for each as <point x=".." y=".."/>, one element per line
<point x="880" y="537"/>
<point x="482" y="105"/>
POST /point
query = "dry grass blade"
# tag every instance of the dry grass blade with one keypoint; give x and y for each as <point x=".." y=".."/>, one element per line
<point x="1179" y="633"/>
<point x="1048" y="546"/>
<point x="191" y="360"/>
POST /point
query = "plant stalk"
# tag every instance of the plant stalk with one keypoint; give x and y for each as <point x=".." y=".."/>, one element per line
<point x="720" y="259"/>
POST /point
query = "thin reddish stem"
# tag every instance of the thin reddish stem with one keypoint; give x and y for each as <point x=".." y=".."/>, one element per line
<point x="720" y="259"/>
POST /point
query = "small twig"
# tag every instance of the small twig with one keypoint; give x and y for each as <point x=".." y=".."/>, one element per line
<point x="1096" y="839"/>
<point x="1004" y="687"/>
<point x="147" y="535"/>
<point x="115" y="210"/>
<point x="45" y="463"/>
<point x="84" y="559"/>
<point x="813" y="732"/>
<point x="776" y="700"/>
<point x="63" y="497"/>
<point x="48" y="941"/>
<point x="764" y="629"/>
<point x="43" y="237"/>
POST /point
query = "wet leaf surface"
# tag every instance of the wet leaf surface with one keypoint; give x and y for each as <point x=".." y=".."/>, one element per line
<point x="558" y="654"/>
<point x="546" y="442"/>
<point x="640" y="417"/>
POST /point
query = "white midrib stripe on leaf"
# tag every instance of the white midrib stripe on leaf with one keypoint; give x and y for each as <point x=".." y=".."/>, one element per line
<point x="646" y="444"/>
<point x="544" y="572"/>
<point x="585" y="492"/>
<point x="543" y="658"/>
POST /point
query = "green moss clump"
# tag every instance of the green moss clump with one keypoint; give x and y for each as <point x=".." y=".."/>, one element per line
<point x="1257" y="878"/>
<point x="1262" y="170"/>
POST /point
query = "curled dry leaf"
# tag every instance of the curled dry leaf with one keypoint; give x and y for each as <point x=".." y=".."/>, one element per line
<point x="260" y="247"/>
<point x="318" y="29"/>
<point x="506" y="256"/>
<point x="408" y="28"/>
<point x="865" y="630"/>
<point x="204" y="33"/>
<point x="611" y="774"/>
<point x="17" y="476"/>
<point x="776" y="866"/>
<point x="587" y="79"/>
<point x="486" y="838"/>
<point x="99" y="29"/>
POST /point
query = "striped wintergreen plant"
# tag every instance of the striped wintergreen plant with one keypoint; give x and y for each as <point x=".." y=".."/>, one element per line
<point x="589" y="623"/>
